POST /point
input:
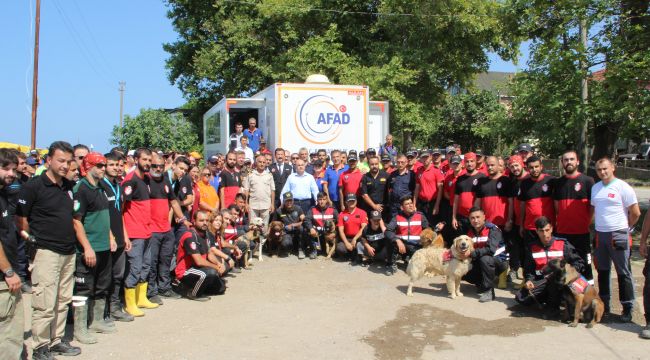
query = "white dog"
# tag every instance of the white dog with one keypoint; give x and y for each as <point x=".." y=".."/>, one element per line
<point x="434" y="260"/>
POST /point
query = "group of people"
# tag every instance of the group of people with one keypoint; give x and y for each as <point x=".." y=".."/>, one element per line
<point x="132" y="229"/>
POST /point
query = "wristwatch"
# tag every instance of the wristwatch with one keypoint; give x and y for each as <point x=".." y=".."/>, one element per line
<point x="9" y="272"/>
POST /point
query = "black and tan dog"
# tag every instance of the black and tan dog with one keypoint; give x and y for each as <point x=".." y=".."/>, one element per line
<point x="274" y="237"/>
<point x="329" y="238"/>
<point x="252" y="238"/>
<point x="578" y="295"/>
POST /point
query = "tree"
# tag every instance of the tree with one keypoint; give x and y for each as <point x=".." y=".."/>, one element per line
<point x="156" y="129"/>
<point x="408" y="52"/>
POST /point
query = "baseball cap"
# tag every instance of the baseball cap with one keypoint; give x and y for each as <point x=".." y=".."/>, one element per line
<point x="385" y="157"/>
<point x="33" y="152"/>
<point x="450" y="149"/>
<point x="313" y="154"/>
<point x="213" y="159"/>
<point x="350" y="197"/>
<point x="362" y="153"/>
<point x="262" y="141"/>
<point x="371" y="151"/>
<point x="410" y="153"/>
<point x="91" y="160"/>
<point x="287" y="196"/>
<point x="31" y="161"/>
<point x="130" y="153"/>
<point x="455" y="159"/>
<point x="436" y="151"/>
<point x="352" y="157"/>
<point x="375" y="215"/>
<point x="425" y="153"/>
<point x="470" y="156"/>
<point x="524" y="147"/>
<point x="479" y="152"/>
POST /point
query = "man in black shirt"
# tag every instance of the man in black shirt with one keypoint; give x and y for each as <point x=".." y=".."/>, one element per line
<point x="113" y="190"/>
<point x="292" y="217"/>
<point x="280" y="171"/>
<point x="45" y="214"/>
<point x="374" y="189"/>
<point x="12" y="321"/>
<point x="374" y="244"/>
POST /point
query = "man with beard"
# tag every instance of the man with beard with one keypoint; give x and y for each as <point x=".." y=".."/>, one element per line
<point x="493" y="195"/>
<point x="162" y="237"/>
<point x="514" y="241"/>
<point x="292" y="217"/>
<point x="350" y="179"/>
<point x="138" y="224"/>
<point x="374" y="189"/>
<point x="315" y="222"/>
<point x="113" y="190"/>
<point x="480" y="162"/>
<point x="350" y="224"/>
<point x="456" y="169"/>
<point x="12" y="321"/>
<point x="181" y="185"/>
<point x="428" y="188"/>
<point x="44" y="209"/>
<point x="229" y="181"/>
<point x="404" y="231"/>
<point x="93" y="274"/>
<point x="401" y="183"/>
<point x="536" y="196"/>
<point x="572" y="194"/>
<point x="199" y="269"/>
<point x="464" y="195"/>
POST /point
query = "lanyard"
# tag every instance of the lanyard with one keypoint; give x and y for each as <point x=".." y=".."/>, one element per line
<point x="116" y="191"/>
<point x="171" y="177"/>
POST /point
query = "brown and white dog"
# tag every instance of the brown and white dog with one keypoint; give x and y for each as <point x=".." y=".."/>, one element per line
<point x="454" y="263"/>
<point x="274" y="237"/>
<point x="253" y="236"/>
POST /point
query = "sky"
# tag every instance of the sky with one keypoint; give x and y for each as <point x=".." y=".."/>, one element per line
<point x="86" y="49"/>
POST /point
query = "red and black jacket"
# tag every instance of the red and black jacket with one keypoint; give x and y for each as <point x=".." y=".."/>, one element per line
<point x="538" y="255"/>
<point x="538" y="196"/>
<point x="161" y="194"/>
<point x="494" y="195"/>
<point x="465" y="187"/>
<point x="137" y="206"/>
<point x="488" y="241"/>
<point x="316" y="218"/>
<point x="407" y="227"/>
<point x="573" y="195"/>
<point x="230" y="182"/>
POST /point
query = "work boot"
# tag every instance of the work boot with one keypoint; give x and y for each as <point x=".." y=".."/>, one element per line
<point x="156" y="299"/>
<point x="512" y="276"/>
<point x="169" y="294"/>
<point x="141" y="297"/>
<point x="42" y="353"/>
<point x="131" y="306"/>
<point x="81" y="333"/>
<point x="313" y="254"/>
<point x="118" y="314"/>
<point x="486" y="296"/>
<point x="301" y="254"/>
<point x="97" y="323"/>
<point x="391" y="269"/>
<point x="503" y="280"/>
<point x="645" y="333"/>
<point x="65" y="349"/>
<point x="626" y="316"/>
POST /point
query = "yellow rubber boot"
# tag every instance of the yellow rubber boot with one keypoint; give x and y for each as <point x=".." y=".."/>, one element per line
<point x="141" y="297"/>
<point x="503" y="280"/>
<point x="130" y="304"/>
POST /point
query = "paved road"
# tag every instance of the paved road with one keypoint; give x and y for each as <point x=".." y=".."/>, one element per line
<point x="291" y="309"/>
<point x="643" y="195"/>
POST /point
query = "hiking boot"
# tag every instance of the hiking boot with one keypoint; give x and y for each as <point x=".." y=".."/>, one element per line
<point x="198" y="298"/>
<point x="356" y="260"/>
<point x="65" y="349"/>
<point x="512" y="276"/>
<point x="486" y="296"/>
<point x="551" y="313"/>
<point x="301" y="254"/>
<point x="156" y="299"/>
<point x="645" y="333"/>
<point x="169" y="294"/>
<point x="391" y="270"/>
<point x="626" y="316"/>
<point x="42" y="353"/>
<point x="313" y="254"/>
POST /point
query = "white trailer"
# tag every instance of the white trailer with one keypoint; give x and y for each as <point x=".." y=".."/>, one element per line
<point x="315" y="115"/>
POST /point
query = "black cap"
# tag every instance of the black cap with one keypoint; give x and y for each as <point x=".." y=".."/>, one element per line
<point x="410" y="153"/>
<point x="455" y="160"/>
<point x="450" y="149"/>
<point x="352" y="152"/>
<point x="262" y="141"/>
<point x="371" y="151"/>
<point x="350" y="197"/>
<point x="213" y="159"/>
<point x="478" y="152"/>
<point x="375" y="215"/>
<point x="385" y="157"/>
<point x="425" y="152"/>
<point x="362" y="153"/>
<point x="317" y="163"/>
<point x="287" y="196"/>
<point x="352" y="157"/>
<point x="313" y="154"/>
<point x="436" y="151"/>
<point x="524" y="147"/>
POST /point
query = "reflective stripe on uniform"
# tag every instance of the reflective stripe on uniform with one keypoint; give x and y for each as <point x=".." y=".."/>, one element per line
<point x="409" y="237"/>
<point x="550" y="254"/>
<point x="406" y="223"/>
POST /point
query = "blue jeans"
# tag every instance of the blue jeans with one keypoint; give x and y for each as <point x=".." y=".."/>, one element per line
<point x="162" y="251"/>
<point x="139" y="263"/>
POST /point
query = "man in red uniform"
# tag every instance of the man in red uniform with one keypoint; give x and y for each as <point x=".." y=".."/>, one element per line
<point x="350" y="179"/>
<point x="351" y="223"/>
<point x="428" y="188"/>
<point x="493" y="195"/>
<point x="315" y="222"/>
<point x="456" y="169"/>
<point x="403" y="232"/>
<point x="536" y="196"/>
<point x="464" y="194"/>
<point x="543" y="248"/>
<point x="514" y="241"/>
<point x="572" y="194"/>
<point x="199" y="267"/>
<point x="480" y="162"/>
<point x="229" y="181"/>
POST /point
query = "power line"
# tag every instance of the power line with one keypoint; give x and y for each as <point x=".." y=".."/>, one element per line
<point x="345" y="12"/>
<point x="79" y="42"/>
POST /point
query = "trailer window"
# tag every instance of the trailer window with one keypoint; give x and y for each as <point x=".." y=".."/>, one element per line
<point x="213" y="129"/>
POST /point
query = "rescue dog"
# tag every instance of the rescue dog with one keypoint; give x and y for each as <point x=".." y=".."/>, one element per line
<point x="429" y="237"/>
<point x="329" y="235"/>
<point x="577" y="294"/>
<point x="274" y="237"/>
<point x="454" y="263"/>
<point x="252" y="237"/>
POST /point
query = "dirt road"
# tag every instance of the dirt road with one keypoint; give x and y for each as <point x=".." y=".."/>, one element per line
<point x="291" y="309"/>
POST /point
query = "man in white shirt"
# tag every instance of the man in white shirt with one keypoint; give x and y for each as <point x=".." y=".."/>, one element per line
<point x="303" y="187"/>
<point x="616" y="211"/>
<point x="248" y="152"/>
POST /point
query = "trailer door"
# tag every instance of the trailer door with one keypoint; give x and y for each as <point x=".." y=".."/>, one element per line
<point x="215" y="125"/>
<point x="377" y="123"/>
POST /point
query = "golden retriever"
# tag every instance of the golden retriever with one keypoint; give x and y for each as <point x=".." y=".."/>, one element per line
<point x="432" y="260"/>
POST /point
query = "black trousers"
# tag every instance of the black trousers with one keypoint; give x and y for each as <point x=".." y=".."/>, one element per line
<point x="304" y="204"/>
<point x="202" y="281"/>
<point x="646" y="290"/>
<point x="484" y="270"/>
<point x="293" y="240"/>
<point x="448" y="232"/>
<point x="94" y="282"/>
<point x="392" y="252"/>
<point x="162" y="251"/>
<point x="516" y="248"/>
<point x="381" y="248"/>
<point x="545" y="292"/>
<point x="426" y="207"/>
<point x="582" y="243"/>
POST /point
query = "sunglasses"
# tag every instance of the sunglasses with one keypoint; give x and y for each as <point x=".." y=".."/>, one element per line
<point x="157" y="166"/>
<point x="294" y="158"/>
<point x="100" y="166"/>
<point x="206" y="174"/>
<point x="80" y="157"/>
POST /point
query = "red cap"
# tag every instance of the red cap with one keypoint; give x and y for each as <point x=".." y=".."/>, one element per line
<point x="516" y="159"/>
<point x="470" y="156"/>
<point x="90" y="161"/>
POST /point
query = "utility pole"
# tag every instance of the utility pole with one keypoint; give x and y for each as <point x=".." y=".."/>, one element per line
<point x="35" y="78"/>
<point x="584" y="97"/>
<point x="122" y="85"/>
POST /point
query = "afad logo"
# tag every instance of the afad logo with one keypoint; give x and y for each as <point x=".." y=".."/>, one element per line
<point x="319" y="120"/>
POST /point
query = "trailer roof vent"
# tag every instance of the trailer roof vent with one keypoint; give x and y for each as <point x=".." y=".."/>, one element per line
<point x="317" y="79"/>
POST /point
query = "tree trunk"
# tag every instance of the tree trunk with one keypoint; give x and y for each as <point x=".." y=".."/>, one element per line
<point x="605" y="137"/>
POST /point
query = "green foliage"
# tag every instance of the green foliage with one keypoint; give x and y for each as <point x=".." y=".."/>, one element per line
<point x="228" y="49"/>
<point x="156" y="129"/>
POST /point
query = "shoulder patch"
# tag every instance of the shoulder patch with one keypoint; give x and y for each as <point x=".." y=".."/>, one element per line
<point x="193" y="245"/>
<point x="128" y="190"/>
<point x="76" y="205"/>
